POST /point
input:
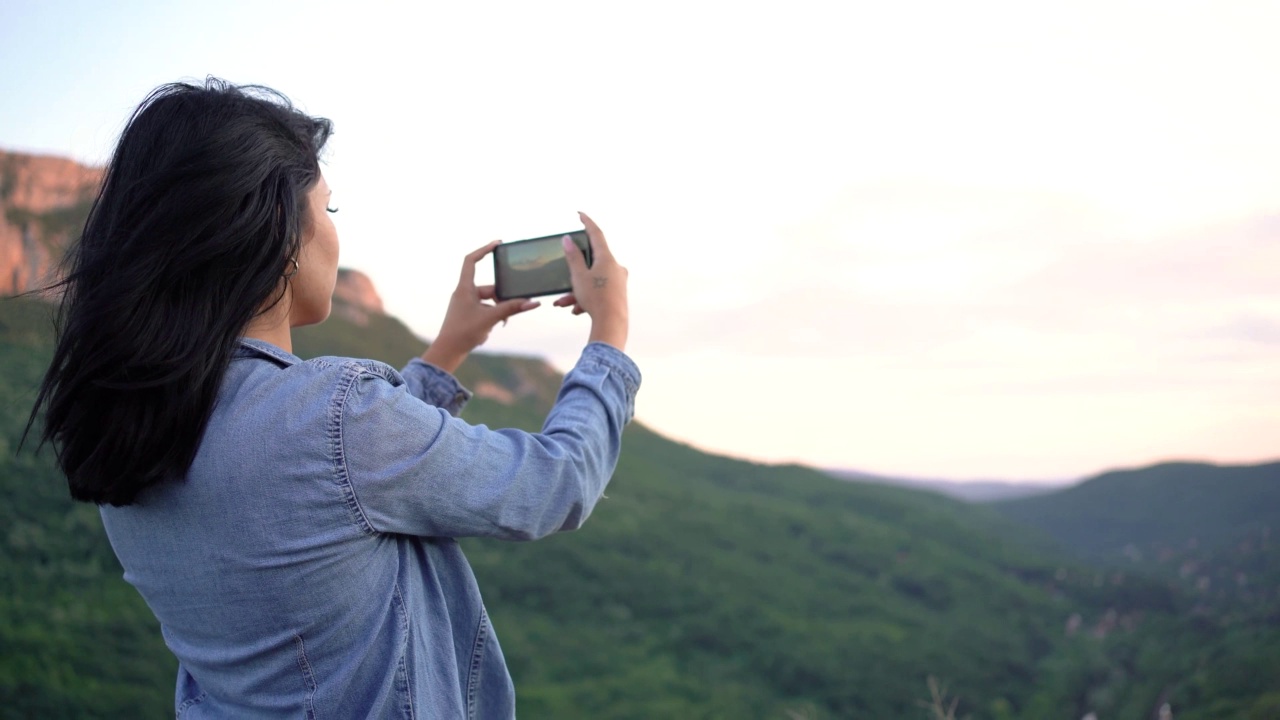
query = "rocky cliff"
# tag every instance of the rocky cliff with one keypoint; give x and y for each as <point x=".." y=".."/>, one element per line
<point x="356" y="296"/>
<point x="43" y="204"/>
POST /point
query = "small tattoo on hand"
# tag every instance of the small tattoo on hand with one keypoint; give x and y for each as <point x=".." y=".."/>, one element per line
<point x="600" y="282"/>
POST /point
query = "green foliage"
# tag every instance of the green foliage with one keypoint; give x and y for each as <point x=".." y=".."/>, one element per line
<point x="384" y="338"/>
<point x="703" y="587"/>
<point x="77" y="641"/>
<point x="1208" y="528"/>
<point x="1159" y="508"/>
<point x="1206" y="531"/>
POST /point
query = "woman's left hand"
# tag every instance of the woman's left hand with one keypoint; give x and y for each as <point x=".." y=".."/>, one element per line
<point x="469" y="319"/>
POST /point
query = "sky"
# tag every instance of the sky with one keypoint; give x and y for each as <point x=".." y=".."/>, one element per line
<point x="987" y="240"/>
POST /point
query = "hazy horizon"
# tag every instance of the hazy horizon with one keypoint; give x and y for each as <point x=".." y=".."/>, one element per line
<point x="983" y="241"/>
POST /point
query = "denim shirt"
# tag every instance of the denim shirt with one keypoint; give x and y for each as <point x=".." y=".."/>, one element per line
<point x="306" y="567"/>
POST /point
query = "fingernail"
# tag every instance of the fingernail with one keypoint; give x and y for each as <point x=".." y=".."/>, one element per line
<point x="567" y="242"/>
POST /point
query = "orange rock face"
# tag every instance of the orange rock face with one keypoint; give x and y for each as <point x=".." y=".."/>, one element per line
<point x="355" y="288"/>
<point x="43" y="202"/>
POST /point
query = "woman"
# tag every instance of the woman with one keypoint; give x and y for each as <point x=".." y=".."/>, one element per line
<point x="290" y="522"/>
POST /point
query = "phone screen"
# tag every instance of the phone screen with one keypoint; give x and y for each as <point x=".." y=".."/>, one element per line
<point x="529" y="268"/>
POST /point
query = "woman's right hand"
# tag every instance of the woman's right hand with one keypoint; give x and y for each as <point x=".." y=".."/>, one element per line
<point x="600" y="290"/>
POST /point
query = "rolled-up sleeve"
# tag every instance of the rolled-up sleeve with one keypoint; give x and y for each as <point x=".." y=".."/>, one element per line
<point x="435" y="386"/>
<point x="414" y="468"/>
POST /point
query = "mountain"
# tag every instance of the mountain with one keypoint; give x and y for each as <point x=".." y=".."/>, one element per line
<point x="705" y="582"/>
<point x="43" y="201"/>
<point x="1211" y="527"/>
<point x="703" y="587"/>
<point x="1210" y="532"/>
<point x="967" y="490"/>
<point x="360" y="299"/>
<point x="1157" y="509"/>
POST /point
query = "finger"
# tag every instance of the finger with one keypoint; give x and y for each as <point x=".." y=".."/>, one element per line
<point x="514" y="307"/>
<point x="564" y="300"/>
<point x="573" y="253"/>
<point x="577" y="310"/>
<point x="598" y="244"/>
<point x="469" y="263"/>
<point x="487" y="292"/>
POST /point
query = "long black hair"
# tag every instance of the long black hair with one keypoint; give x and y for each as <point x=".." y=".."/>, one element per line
<point x="201" y="210"/>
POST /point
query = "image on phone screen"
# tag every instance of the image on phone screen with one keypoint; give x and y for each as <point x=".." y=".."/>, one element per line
<point x="534" y="267"/>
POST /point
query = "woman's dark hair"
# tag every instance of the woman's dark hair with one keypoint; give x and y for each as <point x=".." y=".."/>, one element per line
<point x="201" y="210"/>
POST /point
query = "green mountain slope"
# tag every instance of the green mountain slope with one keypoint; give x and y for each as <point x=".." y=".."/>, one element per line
<point x="1157" y="508"/>
<point x="703" y="587"/>
<point x="1209" y="527"/>
<point x="1210" y="531"/>
<point x="75" y="640"/>
<point x="711" y="587"/>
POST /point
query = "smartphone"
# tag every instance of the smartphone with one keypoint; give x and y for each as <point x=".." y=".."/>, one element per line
<point x="537" y="266"/>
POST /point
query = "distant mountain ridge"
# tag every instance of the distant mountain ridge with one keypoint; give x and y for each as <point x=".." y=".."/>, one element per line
<point x="1170" y="504"/>
<point x="1212" y="529"/>
<point x="967" y="490"/>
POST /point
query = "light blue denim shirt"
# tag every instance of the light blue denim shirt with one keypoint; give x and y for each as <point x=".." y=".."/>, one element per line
<point x="305" y="567"/>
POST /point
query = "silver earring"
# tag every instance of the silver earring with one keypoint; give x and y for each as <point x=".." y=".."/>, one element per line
<point x="294" y="271"/>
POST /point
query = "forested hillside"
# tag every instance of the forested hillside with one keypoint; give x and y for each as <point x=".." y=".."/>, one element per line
<point x="703" y="587"/>
<point x="1159" y="509"/>
<point x="1209" y="532"/>
<point x="709" y="587"/>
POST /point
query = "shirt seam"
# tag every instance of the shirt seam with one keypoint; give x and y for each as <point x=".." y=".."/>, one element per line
<point x="308" y="676"/>
<point x="351" y="373"/>
<point x="404" y="666"/>
<point x="186" y="704"/>
<point x="477" y="655"/>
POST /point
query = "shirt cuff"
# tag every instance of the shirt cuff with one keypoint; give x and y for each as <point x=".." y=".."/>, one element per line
<point x="435" y="386"/>
<point x="617" y="361"/>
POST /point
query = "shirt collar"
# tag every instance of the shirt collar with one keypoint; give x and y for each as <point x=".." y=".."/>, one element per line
<point x="252" y="347"/>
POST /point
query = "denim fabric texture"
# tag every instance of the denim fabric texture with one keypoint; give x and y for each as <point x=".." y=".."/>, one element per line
<point x="306" y="566"/>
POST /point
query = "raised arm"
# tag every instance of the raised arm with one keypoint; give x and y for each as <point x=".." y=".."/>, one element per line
<point x="412" y="468"/>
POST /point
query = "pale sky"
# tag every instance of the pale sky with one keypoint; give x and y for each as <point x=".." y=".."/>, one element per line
<point x="1015" y="240"/>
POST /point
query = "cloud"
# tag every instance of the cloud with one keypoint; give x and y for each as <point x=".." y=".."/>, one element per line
<point x="1249" y="329"/>
<point x="897" y="271"/>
